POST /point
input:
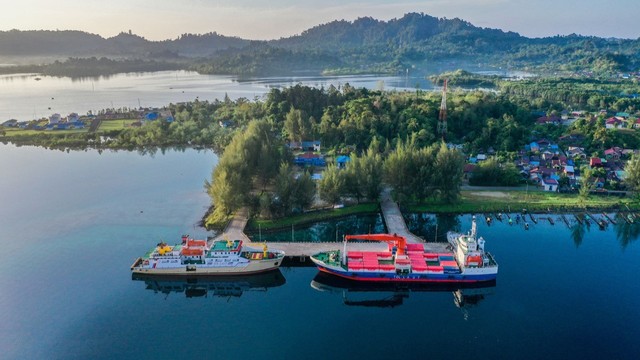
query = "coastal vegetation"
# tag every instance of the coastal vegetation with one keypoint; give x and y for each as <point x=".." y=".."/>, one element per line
<point x="415" y="43"/>
<point x="390" y="137"/>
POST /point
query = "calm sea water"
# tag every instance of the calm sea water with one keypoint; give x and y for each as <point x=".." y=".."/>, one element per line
<point x="24" y="98"/>
<point x="72" y="223"/>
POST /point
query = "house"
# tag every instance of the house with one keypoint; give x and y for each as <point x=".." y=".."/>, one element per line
<point x="305" y="145"/>
<point x="576" y="152"/>
<point x="225" y="123"/>
<point x="54" y="119"/>
<point x="342" y="161"/>
<point x="549" y="185"/>
<point x="73" y="117"/>
<point x="636" y="124"/>
<point x="569" y="171"/>
<point x="595" y="162"/>
<point x="482" y="157"/>
<point x="554" y="120"/>
<point x="614" y="123"/>
<point x="310" y="159"/>
<point x="151" y="116"/>
<point x="544" y="143"/>
<point x="10" y="123"/>
<point x="534" y="146"/>
<point x="622" y="115"/>
<point x="613" y="154"/>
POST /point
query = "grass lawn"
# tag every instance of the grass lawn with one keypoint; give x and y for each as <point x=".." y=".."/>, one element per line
<point x="314" y="216"/>
<point x="9" y="132"/>
<point x="498" y="201"/>
<point x="110" y="125"/>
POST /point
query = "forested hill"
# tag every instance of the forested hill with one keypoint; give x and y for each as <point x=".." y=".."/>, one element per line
<point x="416" y="40"/>
<point x="409" y="31"/>
<point x="365" y="45"/>
<point x="69" y="43"/>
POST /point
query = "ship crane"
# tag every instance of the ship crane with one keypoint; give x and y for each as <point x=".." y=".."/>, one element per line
<point x="400" y="242"/>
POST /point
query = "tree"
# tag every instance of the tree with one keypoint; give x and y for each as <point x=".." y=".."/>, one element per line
<point x="449" y="166"/>
<point x="294" y="192"/>
<point x="398" y="171"/>
<point x="632" y="168"/>
<point x="331" y="186"/>
<point x="298" y="126"/>
<point x="587" y="183"/>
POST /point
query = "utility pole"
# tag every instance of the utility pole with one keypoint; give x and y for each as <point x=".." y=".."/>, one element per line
<point x="442" y="119"/>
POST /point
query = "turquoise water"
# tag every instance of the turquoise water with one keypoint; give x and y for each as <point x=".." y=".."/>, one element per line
<point x="72" y="223"/>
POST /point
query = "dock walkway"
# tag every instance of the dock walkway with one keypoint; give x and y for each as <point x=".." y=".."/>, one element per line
<point x="394" y="220"/>
<point x="392" y="217"/>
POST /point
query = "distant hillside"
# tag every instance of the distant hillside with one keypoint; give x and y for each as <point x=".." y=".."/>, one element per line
<point x="67" y="43"/>
<point x="414" y="41"/>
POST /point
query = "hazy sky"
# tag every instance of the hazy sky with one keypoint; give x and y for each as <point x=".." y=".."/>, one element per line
<point x="269" y="19"/>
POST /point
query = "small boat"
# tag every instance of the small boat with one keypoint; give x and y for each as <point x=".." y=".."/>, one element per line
<point x="38" y="79"/>
<point x="199" y="257"/>
<point x="410" y="263"/>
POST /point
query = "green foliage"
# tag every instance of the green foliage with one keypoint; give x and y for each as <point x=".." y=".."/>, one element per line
<point x="492" y="173"/>
<point x="418" y="174"/>
<point x="632" y="168"/>
<point x="449" y="164"/>
<point x="294" y="192"/>
<point x="331" y="186"/>
<point x="587" y="183"/>
<point x="250" y="156"/>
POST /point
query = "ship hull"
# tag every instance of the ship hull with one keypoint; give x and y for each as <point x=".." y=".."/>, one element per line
<point x="254" y="267"/>
<point x="414" y="277"/>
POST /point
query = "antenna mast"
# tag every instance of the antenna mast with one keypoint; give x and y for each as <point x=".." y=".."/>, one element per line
<point x="442" y="119"/>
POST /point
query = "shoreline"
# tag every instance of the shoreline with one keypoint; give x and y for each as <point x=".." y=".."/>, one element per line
<point x="304" y="220"/>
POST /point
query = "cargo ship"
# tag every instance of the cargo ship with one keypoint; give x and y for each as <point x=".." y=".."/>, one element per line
<point x="199" y="257"/>
<point x="467" y="262"/>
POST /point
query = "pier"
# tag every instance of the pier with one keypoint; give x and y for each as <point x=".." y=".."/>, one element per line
<point x="302" y="250"/>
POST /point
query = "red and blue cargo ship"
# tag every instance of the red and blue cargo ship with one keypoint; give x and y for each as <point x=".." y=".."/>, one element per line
<point x="467" y="262"/>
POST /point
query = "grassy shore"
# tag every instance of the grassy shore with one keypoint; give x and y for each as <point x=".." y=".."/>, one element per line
<point x="501" y="201"/>
<point x="310" y="217"/>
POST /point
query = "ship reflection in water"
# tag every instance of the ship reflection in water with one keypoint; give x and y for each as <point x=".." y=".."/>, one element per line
<point x="357" y="293"/>
<point x="221" y="286"/>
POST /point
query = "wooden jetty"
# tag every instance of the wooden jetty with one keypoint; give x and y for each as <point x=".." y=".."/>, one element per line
<point x="535" y="221"/>
<point x="601" y="223"/>
<point x="626" y="217"/>
<point x="611" y="220"/>
<point x="565" y="220"/>
<point x="579" y="219"/>
<point x="550" y="219"/>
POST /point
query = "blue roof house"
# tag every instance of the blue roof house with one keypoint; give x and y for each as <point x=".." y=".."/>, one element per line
<point x="342" y="161"/>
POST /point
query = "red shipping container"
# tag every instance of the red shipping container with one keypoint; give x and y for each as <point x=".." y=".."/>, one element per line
<point x="415" y="247"/>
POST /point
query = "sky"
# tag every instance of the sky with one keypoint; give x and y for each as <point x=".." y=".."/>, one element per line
<point x="272" y="19"/>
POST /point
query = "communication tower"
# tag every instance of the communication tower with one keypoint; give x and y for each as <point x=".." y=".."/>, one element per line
<point x="442" y="119"/>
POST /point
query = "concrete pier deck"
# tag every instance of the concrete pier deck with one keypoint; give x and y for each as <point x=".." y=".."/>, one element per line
<point x="392" y="217"/>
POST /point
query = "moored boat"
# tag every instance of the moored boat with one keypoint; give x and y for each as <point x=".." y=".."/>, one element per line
<point x="466" y="263"/>
<point x="200" y="257"/>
